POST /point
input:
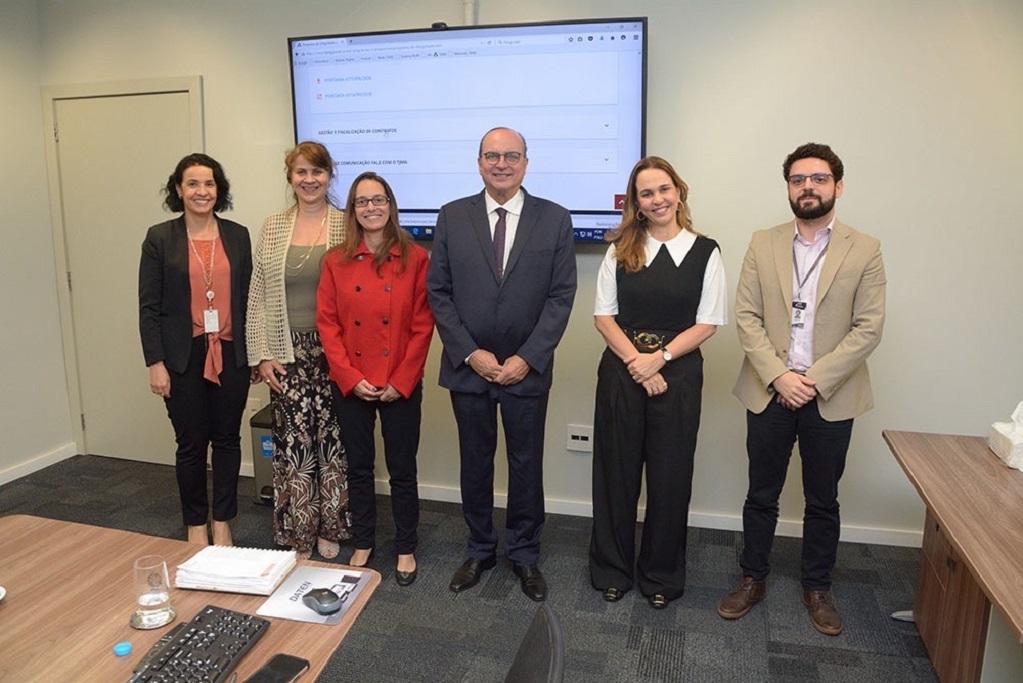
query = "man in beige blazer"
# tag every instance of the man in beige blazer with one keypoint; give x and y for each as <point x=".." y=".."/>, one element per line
<point x="809" y="309"/>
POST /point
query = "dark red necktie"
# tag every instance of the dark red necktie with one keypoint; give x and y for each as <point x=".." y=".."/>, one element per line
<point x="499" y="230"/>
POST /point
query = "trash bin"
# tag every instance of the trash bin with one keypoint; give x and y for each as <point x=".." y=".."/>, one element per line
<point x="262" y="456"/>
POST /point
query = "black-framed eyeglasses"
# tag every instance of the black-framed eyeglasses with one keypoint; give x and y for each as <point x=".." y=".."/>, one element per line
<point x="375" y="200"/>
<point x="798" y="180"/>
<point x="510" y="158"/>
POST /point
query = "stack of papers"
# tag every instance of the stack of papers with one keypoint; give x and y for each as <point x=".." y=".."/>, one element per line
<point x="235" y="570"/>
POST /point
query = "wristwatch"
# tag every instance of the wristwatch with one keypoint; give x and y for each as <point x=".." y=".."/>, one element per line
<point x="666" y="355"/>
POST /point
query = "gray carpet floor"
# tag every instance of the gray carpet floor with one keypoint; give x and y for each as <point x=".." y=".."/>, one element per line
<point x="425" y="633"/>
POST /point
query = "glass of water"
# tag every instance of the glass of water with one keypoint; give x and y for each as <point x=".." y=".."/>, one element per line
<point x="152" y="593"/>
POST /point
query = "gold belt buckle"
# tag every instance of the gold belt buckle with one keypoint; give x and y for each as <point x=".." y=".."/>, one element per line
<point x="647" y="340"/>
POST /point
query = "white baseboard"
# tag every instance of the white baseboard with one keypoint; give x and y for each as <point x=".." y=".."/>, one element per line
<point x="37" y="463"/>
<point x="793" y="528"/>
<point x="910" y="538"/>
<point x="904" y="538"/>
<point x="907" y="538"/>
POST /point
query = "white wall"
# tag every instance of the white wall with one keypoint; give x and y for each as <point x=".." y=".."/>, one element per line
<point x="34" y="419"/>
<point x="922" y="99"/>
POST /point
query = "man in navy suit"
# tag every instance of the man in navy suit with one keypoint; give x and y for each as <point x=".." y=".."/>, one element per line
<point x="501" y="284"/>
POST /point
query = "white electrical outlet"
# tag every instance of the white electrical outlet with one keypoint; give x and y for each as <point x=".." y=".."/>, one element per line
<point x="580" y="438"/>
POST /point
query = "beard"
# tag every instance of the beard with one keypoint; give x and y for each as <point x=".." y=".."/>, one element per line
<point x="812" y="211"/>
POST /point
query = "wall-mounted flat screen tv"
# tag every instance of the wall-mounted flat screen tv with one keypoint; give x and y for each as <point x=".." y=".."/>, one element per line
<point x="413" y="105"/>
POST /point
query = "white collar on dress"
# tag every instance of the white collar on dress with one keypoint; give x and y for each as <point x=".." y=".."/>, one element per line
<point x="678" y="247"/>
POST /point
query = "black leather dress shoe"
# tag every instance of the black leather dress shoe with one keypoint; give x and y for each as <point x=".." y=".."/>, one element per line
<point x="405" y="578"/>
<point x="658" y="601"/>
<point x="532" y="581"/>
<point x="468" y="575"/>
<point x="613" y="594"/>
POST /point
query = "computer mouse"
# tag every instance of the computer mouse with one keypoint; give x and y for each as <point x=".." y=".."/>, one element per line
<point x="322" y="601"/>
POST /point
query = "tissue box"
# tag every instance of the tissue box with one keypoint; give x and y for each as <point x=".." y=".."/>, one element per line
<point x="1006" y="443"/>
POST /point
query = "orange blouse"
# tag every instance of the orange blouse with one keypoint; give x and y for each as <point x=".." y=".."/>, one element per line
<point x="221" y="287"/>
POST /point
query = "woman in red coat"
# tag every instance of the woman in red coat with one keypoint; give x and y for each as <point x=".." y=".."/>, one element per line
<point x="376" y="329"/>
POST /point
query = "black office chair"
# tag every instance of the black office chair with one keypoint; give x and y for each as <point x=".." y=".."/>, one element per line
<point x="541" y="655"/>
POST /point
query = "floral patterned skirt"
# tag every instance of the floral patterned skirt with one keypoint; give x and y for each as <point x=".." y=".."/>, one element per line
<point x="310" y="467"/>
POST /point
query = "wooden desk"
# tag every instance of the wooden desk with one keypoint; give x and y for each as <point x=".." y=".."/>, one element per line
<point x="69" y="596"/>
<point x="972" y="556"/>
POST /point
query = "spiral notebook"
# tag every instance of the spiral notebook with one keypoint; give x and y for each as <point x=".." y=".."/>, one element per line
<point x="235" y="570"/>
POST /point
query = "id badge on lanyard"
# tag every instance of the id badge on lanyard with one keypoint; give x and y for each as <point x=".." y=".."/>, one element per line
<point x="798" y="313"/>
<point x="211" y="320"/>
<point x="798" y="305"/>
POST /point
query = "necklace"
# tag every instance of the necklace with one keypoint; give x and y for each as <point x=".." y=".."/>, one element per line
<point x="207" y="270"/>
<point x="293" y="270"/>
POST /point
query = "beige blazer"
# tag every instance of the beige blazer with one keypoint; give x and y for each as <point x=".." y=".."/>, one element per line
<point x="847" y="324"/>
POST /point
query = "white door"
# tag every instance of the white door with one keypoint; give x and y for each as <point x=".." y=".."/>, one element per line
<point x="113" y="154"/>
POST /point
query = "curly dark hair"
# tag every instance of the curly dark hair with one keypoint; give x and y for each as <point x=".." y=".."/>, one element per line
<point x="173" y="202"/>
<point x="814" y="150"/>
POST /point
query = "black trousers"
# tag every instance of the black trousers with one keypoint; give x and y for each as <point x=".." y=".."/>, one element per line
<point x="205" y="415"/>
<point x="400" y="425"/>
<point x="633" y="430"/>
<point x="523" y="419"/>
<point x="822" y="449"/>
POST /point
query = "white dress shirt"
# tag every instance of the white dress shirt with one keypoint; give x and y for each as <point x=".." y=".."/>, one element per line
<point x="511" y="221"/>
<point x="804" y="254"/>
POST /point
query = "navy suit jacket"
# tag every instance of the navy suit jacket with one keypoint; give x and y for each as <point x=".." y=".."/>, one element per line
<point x="523" y="314"/>
<point x="165" y="292"/>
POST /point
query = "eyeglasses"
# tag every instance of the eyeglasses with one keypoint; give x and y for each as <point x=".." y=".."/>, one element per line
<point x="510" y="158"/>
<point x="817" y="179"/>
<point x="376" y="200"/>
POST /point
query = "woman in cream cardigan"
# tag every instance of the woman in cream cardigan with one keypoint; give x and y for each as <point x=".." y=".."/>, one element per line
<point x="309" y="464"/>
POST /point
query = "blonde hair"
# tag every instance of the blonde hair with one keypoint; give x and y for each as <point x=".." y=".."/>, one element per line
<point x="629" y="237"/>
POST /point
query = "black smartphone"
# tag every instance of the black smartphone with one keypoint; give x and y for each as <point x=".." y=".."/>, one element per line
<point x="280" y="669"/>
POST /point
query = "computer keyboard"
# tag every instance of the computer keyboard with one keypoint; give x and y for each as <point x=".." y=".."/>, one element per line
<point x="205" y="650"/>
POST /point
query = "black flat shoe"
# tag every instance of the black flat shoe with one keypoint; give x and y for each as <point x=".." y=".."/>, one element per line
<point x="613" y="594"/>
<point x="658" y="601"/>
<point x="405" y="578"/>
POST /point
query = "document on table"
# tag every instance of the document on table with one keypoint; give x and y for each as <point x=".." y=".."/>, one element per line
<point x="286" y="601"/>
<point x="235" y="570"/>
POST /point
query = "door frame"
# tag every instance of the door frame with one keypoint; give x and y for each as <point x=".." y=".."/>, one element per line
<point x="51" y="95"/>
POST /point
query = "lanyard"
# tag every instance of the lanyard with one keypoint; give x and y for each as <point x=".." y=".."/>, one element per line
<point x="800" y="282"/>
<point x="207" y="275"/>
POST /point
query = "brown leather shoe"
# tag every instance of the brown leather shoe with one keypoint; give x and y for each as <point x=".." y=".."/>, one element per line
<point x="741" y="600"/>
<point x="823" y="613"/>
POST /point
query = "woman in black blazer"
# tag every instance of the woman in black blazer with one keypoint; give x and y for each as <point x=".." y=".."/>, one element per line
<point x="193" y="287"/>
